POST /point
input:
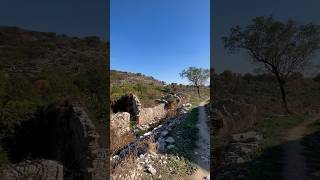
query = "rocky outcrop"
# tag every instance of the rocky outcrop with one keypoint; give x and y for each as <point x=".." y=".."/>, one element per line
<point x="231" y="116"/>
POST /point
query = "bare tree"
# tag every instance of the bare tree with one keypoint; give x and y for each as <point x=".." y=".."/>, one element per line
<point x="281" y="48"/>
<point x="197" y="76"/>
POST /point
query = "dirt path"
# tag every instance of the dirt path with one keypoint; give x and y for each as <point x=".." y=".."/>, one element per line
<point x="294" y="163"/>
<point x="202" y="152"/>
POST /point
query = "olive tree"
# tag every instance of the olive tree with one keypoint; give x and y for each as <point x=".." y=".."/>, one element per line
<point x="282" y="48"/>
<point x="197" y="76"/>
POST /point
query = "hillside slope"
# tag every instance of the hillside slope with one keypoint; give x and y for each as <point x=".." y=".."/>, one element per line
<point x="148" y="89"/>
<point x="42" y="72"/>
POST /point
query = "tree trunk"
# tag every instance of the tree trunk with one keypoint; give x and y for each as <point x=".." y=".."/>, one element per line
<point x="198" y="88"/>
<point x="284" y="98"/>
<point x="283" y="94"/>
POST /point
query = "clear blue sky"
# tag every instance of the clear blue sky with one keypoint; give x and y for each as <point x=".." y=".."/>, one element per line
<point x="159" y="38"/>
<point x="72" y="17"/>
<point x="229" y="13"/>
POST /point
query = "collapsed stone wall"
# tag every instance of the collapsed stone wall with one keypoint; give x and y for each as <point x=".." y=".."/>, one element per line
<point x="125" y="125"/>
<point x="68" y="136"/>
<point x="143" y="116"/>
<point x="121" y="122"/>
<point x="149" y="115"/>
<point x="128" y="103"/>
<point x="93" y="159"/>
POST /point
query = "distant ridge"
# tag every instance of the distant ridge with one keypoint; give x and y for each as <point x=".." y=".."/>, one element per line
<point x="25" y="51"/>
<point x="122" y="77"/>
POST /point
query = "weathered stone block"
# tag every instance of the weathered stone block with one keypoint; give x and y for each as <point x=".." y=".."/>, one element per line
<point x="149" y="115"/>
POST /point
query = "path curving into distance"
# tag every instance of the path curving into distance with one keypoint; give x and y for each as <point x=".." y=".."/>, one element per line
<point x="294" y="161"/>
<point x="202" y="152"/>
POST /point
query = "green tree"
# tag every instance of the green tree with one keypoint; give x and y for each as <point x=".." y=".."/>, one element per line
<point x="196" y="76"/>
<point x="282" y="48"/>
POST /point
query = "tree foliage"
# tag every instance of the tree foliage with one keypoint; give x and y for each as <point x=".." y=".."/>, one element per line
<point x="282" y="48"/>
<point x="197" y="76"/>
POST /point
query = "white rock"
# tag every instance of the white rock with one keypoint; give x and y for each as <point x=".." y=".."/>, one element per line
<point x="152" y="170"/>
<point x="240" y="160"/>
<point x="170" y="140"/>
<point x="164" y="133"/>
<point x="148" y="133"/>
<point x="170" y="147"/>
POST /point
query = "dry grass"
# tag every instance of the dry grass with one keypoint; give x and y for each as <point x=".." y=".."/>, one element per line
<point x="152" y="146"/>
<point x="117" y="142"/>
<point x="122" y="171"/>
<point x="172" y="108"/>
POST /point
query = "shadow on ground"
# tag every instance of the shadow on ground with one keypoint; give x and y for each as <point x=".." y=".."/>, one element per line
<point x="281" y="162"/>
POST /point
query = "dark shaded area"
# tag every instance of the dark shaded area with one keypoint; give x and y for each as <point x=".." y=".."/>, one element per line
<point x="123" y="104"/>
<point x="48" y="136"/>
<point x="269" y="163"/>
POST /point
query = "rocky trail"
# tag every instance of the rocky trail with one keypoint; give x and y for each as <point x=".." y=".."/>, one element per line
<point x="202" y="151"/>
<point x="294" y="162"/>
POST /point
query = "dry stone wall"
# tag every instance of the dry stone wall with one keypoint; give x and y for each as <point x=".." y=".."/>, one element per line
<point x="132" y="110"/>
<point x="149" y="115"/>
<point x="93" y="158"/>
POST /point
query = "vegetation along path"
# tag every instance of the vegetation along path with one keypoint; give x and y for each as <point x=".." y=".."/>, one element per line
<point x="294" y="163"/>
<point x="202" y="152"/>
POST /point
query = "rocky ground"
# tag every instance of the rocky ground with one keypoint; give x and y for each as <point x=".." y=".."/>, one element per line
<point x="154" y="155"/>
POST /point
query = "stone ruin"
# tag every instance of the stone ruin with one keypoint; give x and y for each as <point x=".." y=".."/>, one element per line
<point x="128" y="108"/>
<point x="66" y="142"/>
<point x="131" y="104"/>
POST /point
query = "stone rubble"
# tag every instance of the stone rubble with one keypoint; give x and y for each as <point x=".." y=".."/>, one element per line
<point x="239" y="150"/>
<point x="146" y="166"/>
<point x="36" y="169"/>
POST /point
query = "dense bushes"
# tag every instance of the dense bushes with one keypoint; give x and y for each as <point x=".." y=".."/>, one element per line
<point x="93" y="85"/>
<point x="18" y="101"/>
